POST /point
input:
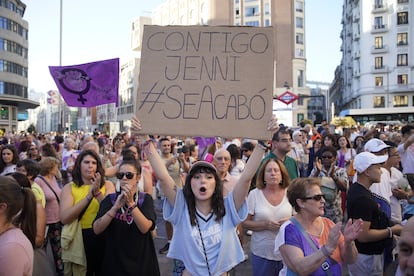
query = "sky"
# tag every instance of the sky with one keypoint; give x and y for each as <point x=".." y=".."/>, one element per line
<point x="95" y="30"/>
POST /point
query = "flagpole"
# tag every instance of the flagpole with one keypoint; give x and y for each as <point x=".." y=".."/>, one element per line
<point x="60" y="63"/>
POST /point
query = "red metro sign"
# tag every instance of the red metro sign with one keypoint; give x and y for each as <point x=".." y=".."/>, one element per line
<point x="287" y="97"/>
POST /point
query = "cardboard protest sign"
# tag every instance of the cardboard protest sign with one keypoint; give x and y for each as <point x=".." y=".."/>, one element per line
<point x="206" y="81"/>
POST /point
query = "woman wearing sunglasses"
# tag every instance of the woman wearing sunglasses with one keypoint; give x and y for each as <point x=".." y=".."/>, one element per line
<point x="333" y="180"/>
<point x="309" y="243"/>
<point x="125" y="220"/>
<point x="80" y="200"/>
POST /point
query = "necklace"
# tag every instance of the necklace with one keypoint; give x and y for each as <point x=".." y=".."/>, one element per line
<point x="204" y="247"/>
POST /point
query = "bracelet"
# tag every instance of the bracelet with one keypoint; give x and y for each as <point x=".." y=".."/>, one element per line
<point x="132" y="207"/>
<point x="109" y="215"/>
<point x="389" y="232"/>
<point x="97" y="194"/>
<point x="262" y="144"/>
<point x="325" y="251"/>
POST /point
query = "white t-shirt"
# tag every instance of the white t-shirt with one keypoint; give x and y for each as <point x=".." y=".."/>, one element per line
<point x="407" y="158"/>
<point x="262" y="242"/>
<point x="222" y="245"/>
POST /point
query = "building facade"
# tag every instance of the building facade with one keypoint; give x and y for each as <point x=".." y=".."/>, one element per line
<point x="14" y="99"/>
<point x="376" y="80"/>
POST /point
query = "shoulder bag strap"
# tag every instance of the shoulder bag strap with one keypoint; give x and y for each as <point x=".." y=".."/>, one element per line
<point x="325" y="265"/>
<point x="50" y="187"/>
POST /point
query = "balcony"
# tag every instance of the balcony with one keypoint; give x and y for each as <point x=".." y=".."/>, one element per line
<point x="357" y="54"/>
<point x="380" y="7"/>
<point x="379" y="70"/>
<point x="357" y="73"/>
<point x="379" y="28"/>
<point x="383" y="49"/>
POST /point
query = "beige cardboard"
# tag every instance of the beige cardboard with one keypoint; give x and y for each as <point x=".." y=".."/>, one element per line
<point x="206" y="81"/>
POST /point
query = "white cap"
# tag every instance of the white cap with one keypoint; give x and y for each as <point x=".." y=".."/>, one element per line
<point x="365" y="159"/>
<point x="375" y="145"/>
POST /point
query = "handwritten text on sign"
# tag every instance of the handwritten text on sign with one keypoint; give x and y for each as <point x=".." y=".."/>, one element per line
<point x="206" y="81"/>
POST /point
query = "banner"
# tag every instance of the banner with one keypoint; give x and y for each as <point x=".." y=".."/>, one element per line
<point x="206" y="81"/>
<point x="89" y="84"/>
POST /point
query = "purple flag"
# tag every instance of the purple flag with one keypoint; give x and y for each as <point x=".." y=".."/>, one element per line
<point x="89" y="84"/>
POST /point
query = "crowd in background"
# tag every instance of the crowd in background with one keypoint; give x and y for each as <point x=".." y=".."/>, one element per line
<point x="108" y="183"/>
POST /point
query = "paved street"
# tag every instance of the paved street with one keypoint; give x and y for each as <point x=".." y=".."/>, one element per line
<point x="243" y="269"/>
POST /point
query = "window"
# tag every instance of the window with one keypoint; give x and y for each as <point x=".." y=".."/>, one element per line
<point x="402" y="38"/>
<point x="402" y="1"/>
<point x="379" y="81"/>
<point x="300" y="78"/>
<point x="378" y="42"/>
<point x="252" y="11"/>
<point x="299" y="38"/>
<point x="378" y="22"/>
<point x="252" y="23"/>
<point x="299" y="22"/>
<point x="402" y="59"/>
<point x="402" y="18"/>
<point x="402" y="79"/>
<point x="299" y="52"/>
<point x="267" y="22"/>
<point x="299" y="6"/>
<point x="379" y="101"/>
<point x="237" y="12"/>
<point x="4" y="112"/>
<point x="400" y="101"/>
<point x="378" y="63"/>
<point x="267" y="8"/>
<point x="378" y="4"/>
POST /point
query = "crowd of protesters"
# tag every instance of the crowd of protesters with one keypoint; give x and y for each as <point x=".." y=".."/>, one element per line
<point x="320" y="198"/>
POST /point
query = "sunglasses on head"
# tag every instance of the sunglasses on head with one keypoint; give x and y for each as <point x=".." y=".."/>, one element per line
<point x="128" y="175"/>
<point x="315" y="197"/>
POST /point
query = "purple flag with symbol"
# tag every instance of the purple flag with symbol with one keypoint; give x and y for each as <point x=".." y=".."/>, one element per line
<point x="89" y="84"/>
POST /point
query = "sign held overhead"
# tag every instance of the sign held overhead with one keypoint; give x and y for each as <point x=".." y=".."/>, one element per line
<point x="206" y="81"/>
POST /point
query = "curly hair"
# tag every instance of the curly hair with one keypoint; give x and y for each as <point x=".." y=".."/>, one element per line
<point x="77" y="174"/>
<point x="217" y="200"/>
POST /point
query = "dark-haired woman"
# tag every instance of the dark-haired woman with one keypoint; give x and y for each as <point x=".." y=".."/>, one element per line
<point x="81" y="198"/>
<point x="333" y="180"/>
<point x="204" y="221"/>
<point x="17" y="228"/>
<point x="8" y="159"/>
<point x="125" y="220"/>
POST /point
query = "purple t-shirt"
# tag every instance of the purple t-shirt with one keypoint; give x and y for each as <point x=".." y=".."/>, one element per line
<point x="295" y="238"/>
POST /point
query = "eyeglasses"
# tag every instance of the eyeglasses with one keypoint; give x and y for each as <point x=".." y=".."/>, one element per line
<point x="33" y="149"/>
<point x="326" y="156"/>
<point x="315" y="197"/>
<point x="128" y="175"/>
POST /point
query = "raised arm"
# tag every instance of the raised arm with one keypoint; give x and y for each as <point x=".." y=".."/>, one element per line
<point x="243" y="184"/>
<point x="158" y="165"/>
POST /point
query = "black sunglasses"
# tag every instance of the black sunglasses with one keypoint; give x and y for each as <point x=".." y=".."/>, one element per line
<point x="326" y="156"/>
<point x="315" y="197"/>
<point x="128" y="175"/>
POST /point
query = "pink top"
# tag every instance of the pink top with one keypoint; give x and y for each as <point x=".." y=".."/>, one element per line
<point x="16" y="254"/>
<point x="52" y="204"/>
